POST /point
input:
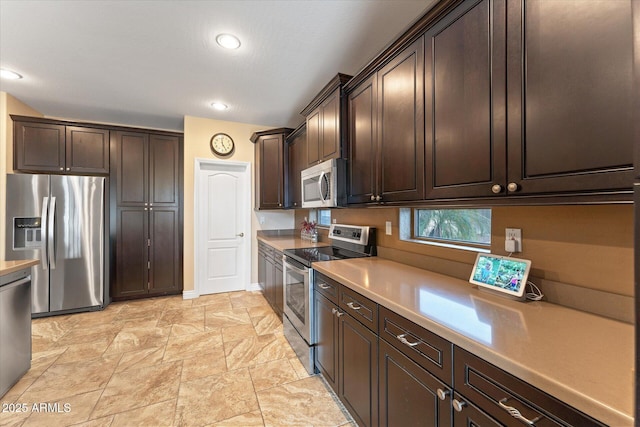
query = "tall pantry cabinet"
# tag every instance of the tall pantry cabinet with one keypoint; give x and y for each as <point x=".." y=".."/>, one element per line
<point x="146" y="176"/>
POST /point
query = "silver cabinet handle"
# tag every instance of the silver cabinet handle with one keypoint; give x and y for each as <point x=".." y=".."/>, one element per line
<point x="240" y="235"/>
<point x="353" y="307"/>
<point x="378" y="198"/>
<point x="458" y="406"/>
<point x="339" y="313"/>
<point x="442" y="395"/>
<point x="373" y="198"/>
<point x="324" y="286"/>
<point x="496" y="188"/>
<point x="334" y="310"/>
<point x="61" y="169"/>
<point x="405" y="341"/>
<point x="513" y="187"/>
<point x="515" y="413"/>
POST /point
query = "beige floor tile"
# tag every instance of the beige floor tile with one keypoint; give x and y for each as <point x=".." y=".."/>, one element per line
<point x="100" y="422"/>
<point x="303" y="402"/>
<point x="247" y="299"/>
<point x="90" y="350"/>
<point x="13" y="419"/>
<point x="142" y="309"/>
<point x="271" y="374"/>
<point x="224" y="319"/>
<point x="177" y="302"/>
<point x="62" y="380"/>
<point x="191" y="345"/>
<point x="188" y="316"/>
<point x="235" y="333"/>
<point x="301" y="371"/>
<point x="157" y="415"/>
<point x="70" y="410"/>
<point x="250" y="419"/>
<point x="45" y="334"/>
<point x="38" y="366"/>
<point x="137" y="338"/>
<point x="214" y="300"/>
<point x="255" y="350"/>
<point x="267" y="324"/>
<point x="186" y="329"/>
<point x="215" y="398"/>
<point x="136" y="388"/>
<point x="259" y="311"/>
<point x="81" y="335"/>
<point x="92" y="318"/>
<point x="204" y="365"/>
<point x="137" y="359"/>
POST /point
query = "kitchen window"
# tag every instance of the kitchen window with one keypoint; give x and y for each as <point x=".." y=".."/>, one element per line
<point x="468" y="229"/>
<point x="321" y="216"/>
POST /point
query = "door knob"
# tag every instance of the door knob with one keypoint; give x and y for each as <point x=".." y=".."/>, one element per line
<point x="240" y="235"/>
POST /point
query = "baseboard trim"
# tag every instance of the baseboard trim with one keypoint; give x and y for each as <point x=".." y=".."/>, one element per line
<point x="254" y="287"/>
<point x="192" y="294"/>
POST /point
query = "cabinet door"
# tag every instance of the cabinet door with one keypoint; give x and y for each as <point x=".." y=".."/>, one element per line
<point x="132" y="252"/>
<point x="132" y="165"/>
<point x="271" y="174"/>
<point x="278" y="288"/>
<point x="471" y="415"/>
<point x="164" y="251"/>
<point x="400" y="113"/>
<point x="262" y="267"/>
<point x="330" y="140"/>
<point x="314" y="136"/>
<point x="39" y="147"/>
<point x="409" y="393"/>
<point x="270" y="282"/>
<point x="326" y="323"/>
<point x="164" y="170"/>
<point x="465" y="101"/>
<point x="570" y="95"/>
<point x="297" y="161"/>
<point x="358" y="364"/>
<point x="362" y="142"/>
<point x="87" y="150"/>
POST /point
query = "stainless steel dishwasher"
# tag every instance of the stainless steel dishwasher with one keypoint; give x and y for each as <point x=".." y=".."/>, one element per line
<point x="15" y="327"/>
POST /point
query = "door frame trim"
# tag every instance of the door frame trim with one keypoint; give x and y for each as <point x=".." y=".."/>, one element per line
<point x="198" y="241"/>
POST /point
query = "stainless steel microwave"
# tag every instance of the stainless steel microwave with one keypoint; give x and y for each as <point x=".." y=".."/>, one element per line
<point x="324" y="185"/>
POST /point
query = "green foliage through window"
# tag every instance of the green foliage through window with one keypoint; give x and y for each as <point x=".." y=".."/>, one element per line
<point x="457" y="225"/>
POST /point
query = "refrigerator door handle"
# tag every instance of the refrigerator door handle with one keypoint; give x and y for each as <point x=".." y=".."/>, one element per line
<point x="44" y="256"/>
<point x="51" y="235"/>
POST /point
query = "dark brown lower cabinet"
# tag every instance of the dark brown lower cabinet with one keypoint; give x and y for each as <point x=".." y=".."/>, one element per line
<point x="409" y="394"/>
<point x="468" y="414"/>
<point x="148" y="260"/>
<point x="347" y="357"/>
<point x="270" y="276"/>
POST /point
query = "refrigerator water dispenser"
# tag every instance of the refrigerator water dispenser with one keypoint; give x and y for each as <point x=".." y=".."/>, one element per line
<point x="27" y="233"/>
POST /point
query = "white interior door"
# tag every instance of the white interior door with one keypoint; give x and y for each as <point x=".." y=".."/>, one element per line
<point x="222" y="233"/>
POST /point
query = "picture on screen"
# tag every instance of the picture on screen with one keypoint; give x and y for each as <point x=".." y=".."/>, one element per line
<point x="500" y="272"/>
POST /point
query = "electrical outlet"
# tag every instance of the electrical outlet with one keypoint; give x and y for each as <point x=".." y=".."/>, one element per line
<point x="388" y="227"/>
<point x="513" y="240"/>
<point x="261" y="219"/>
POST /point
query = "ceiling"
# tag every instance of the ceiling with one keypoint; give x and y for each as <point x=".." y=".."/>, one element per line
<point x="150" y="63"/>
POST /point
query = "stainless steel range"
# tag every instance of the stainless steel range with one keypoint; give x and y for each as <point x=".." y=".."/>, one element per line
<point x="347" y="241"/>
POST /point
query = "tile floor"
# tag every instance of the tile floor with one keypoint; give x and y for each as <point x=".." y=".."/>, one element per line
<point x="218" y="360"/>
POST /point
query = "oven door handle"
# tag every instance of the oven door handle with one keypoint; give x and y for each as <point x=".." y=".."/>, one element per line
<point x="304" y="272"/>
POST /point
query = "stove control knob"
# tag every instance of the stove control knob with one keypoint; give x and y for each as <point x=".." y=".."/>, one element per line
<point x="354" y="234"/>
<point x="358" y="234"/>
<point x="337" y="231"/>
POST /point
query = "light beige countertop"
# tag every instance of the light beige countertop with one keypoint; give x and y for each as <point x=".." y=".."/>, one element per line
<point x="7" y="267"/>
<point x="582" y="359"/>
<point x="289" y="242"/>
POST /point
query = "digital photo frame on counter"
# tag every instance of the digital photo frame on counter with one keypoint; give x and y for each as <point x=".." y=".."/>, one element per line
<point x="500" y="274"/>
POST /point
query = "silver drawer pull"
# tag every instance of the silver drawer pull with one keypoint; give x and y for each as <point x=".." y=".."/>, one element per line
<point x="515" y="413"/>
<point x="353" y="307"/>
<point x="334" y="310"/>
<point x="323" y="286"/>
<point x="403" y="340"/>
<point x="458" y="405"/>
<point x="442" y="394"/>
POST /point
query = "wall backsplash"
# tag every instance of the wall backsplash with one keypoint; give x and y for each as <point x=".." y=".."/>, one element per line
<point x="589" y="247"/>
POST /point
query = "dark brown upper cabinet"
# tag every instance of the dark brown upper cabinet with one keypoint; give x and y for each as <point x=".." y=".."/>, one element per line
<point x="296" y="162"/>
<point x="270" y="168"/>
<point x="386" y="131"/>
<point x="570" y="95"/>
<point x="52" y="146"/>
<point x="325" y="117"/>
<point x="465" y="121"/>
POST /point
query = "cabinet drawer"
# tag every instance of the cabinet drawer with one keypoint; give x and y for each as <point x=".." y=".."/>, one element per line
<point x="499" y="393"/>
<point x="360" y="307"/>
<point x="423" y="347"/>
<point x="327" y="287"/>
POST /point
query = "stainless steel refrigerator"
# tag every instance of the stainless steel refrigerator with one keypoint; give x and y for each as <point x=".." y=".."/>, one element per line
<point x="59" y="220"/>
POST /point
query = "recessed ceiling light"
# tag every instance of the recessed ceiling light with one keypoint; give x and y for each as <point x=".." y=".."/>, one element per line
<point x="219" y="106"/>
<point x="8" y="74"/>
<point x="228" y="41"/>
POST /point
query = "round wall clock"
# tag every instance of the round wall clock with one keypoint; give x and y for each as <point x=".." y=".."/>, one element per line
<point x="222" y="144"/>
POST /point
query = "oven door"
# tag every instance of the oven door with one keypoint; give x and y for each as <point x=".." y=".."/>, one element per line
<point x="297" y="297"/>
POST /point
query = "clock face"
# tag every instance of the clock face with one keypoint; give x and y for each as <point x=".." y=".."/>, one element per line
<point x="221" y="144"/>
